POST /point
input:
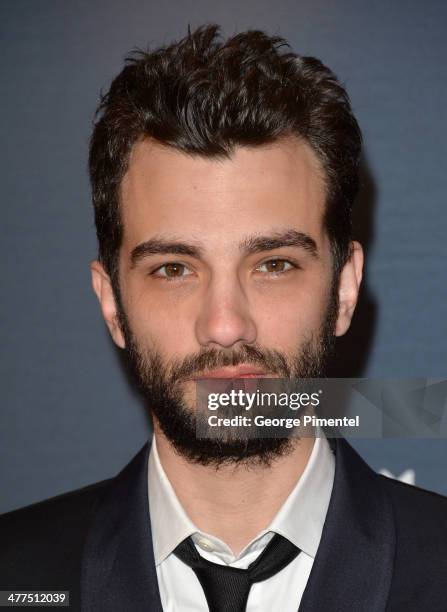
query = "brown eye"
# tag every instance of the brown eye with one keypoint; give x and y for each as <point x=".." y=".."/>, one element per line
<point x="171" y="271"/>
<point x="276" y="265"/>
<point x="174" y="269"/>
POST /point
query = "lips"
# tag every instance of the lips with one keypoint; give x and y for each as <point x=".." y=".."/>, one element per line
<point x="242" y="371"/>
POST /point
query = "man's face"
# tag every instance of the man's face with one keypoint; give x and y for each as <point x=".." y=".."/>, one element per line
<point x="223" y="263"/>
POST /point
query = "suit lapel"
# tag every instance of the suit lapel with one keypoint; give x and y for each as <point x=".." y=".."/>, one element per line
<point x="118" y="570"/>
<point x="354" y="562"/>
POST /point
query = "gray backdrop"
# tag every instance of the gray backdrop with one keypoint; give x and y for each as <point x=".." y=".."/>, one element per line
<point x="68" y="416"/>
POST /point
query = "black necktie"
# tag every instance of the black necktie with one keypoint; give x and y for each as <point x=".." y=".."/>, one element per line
<point x="226" y="588"/>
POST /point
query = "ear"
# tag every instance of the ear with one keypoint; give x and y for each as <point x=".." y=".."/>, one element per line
<point x="102" y="286"/>
<point x="348" y="291"/>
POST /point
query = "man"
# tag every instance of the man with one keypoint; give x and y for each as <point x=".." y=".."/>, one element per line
<point x="223" y="179"/>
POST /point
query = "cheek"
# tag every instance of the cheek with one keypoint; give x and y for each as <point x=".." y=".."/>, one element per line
<point x="164" y="323"/>
<point x="286" y="318"/>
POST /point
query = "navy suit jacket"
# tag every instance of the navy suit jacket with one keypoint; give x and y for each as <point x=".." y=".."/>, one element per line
<point x="383" y="547"/>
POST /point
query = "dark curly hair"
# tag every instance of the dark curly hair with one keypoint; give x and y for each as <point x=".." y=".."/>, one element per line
<point x="206" y="97"/>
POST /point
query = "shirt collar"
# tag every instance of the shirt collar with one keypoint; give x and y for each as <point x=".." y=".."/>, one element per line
<point x="300" y="519"/>
<point x="170" y="524"/>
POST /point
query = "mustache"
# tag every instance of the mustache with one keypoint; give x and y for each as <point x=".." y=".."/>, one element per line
<point x="208" y="359"/>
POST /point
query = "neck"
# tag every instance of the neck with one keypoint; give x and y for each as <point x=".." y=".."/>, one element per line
<point x="233" y="503"/>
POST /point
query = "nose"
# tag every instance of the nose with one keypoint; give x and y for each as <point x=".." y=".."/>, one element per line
<point x="224" y="318"/>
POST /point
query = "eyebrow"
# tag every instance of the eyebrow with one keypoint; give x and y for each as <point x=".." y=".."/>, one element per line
<point x="157" y="246"/>
<point x="248" y="246"/>
<point x="256" y="244"/>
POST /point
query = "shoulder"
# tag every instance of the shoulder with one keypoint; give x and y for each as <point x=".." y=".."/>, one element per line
<point x="44" y="541"/>
<point x="420" y="562"/>
<point x="416" y="506"/>
<point x="425" y="511"/>
<point x="68" y="509"/>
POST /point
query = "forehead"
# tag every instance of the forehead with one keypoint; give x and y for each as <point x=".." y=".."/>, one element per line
<point x="257" y="188"/>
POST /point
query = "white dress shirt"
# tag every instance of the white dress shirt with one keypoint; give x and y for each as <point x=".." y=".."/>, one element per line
<point x="300" y="520"/>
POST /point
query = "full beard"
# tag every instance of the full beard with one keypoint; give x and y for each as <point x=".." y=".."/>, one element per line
<point x="161" y="387"/>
